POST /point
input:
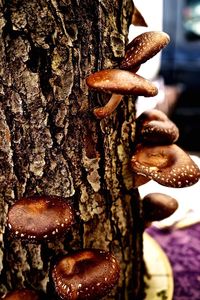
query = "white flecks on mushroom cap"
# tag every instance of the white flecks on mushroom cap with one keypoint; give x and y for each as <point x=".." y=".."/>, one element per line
<point x="143" y="47"/>
<point x="121" y="82"/>
<point x="97" y="271"/>
<point x="153" y="126"/>
<point x="169" y="165"/>
<point x="40" y="217"/>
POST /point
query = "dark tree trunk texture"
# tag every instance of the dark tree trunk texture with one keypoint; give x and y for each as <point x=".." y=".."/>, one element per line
<point x="50" y="142"/>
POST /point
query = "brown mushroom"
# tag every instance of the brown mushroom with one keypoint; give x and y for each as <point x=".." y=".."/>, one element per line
<point x="40" y="217"/>
<point x="158" y="206"/>
<point x="118" y="83"/>
<point x="153" y="126"/>
<point x="168" y="165"/>
<point x="142" y="48"/>
<point x="140" y="180"/>
<point x="137" y="18"/>
<point x="85" y="274"/>
<point x="24" y="294"/>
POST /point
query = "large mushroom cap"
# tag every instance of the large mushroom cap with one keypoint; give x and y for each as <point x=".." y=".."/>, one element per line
<point x="155" y="127"/>
<point x="169" y="165"/>
<point x="121" y="82"/>
<point x="144" y="47"/>
<point x="158" y="206"/>
<point x="40" y="217"/>
<point x="86" y="274"/>
<point x="24" y="294"/>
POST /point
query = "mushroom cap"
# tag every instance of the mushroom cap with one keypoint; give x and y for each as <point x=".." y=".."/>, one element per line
<point x="121" y="82"/>
<point x="155" y="127"/>
<point x="168" y="165"/>
<point x="40" y="217"/>
<point x="158" y="206"/>
<point x="143" y="47"/>
<point x="85" y="274"/>
<point x="24" y="294"/>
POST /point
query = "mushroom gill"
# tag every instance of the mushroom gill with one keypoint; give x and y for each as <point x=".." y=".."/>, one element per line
<point x="118" y="82"/>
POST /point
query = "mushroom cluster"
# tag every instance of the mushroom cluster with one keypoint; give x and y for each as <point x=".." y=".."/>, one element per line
<point x="118" y="83"/>
<point x="124" y="81"/>
<point x="92" y="273"/>
<point x="157" y="157"/>
<point x="84" y="274"/>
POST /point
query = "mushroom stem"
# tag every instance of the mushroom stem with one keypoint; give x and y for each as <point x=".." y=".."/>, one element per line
<point x="111" y="105"/>
<point x="118" y="82"/>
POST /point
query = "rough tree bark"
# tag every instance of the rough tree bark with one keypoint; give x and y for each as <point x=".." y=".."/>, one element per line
<point x="50" y="142"/>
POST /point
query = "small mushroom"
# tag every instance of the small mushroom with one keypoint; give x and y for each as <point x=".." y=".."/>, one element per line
<point x="24" y="294"/>
<point x="85" y="274"/>
<point x="168" y="165"/>
<point x="40" y="218"/>
<point x="158" y="206"/>
<point x="142" y="48"/>
<point x="137" y="18"/>
<point x="118" y="83"/>
<point x="153" y="126"/>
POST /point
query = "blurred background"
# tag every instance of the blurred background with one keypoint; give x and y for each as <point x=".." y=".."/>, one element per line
<point x="180" y="67"/>
<point x="176" y="70"/>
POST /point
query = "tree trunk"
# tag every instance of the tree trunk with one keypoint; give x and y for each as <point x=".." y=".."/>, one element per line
<point x="51" y="143"/>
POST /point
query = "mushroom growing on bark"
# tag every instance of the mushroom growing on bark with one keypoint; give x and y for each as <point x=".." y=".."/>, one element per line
<point x="168" y="165"/>
<point x="118" y="83"/>
<point x="158" y="206"/>
<point x="154" y="127"/>
<point x="85" y="274"/>
<point x="137" y="18"/>
<point x="40" y="218"/>
<point x="24" y="294"/>
<point x="142" y="48"/>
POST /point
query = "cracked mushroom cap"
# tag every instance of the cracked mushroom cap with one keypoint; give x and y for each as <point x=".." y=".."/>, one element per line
<point x="143" y="47"/>
<point x="85" y="274"/>
<point x="40" y="217"/>
<point x="155" y="127"/>
<point x="24" y="294"/>
<point x="121" y="82"/>
<point x="158" y="206"/>
<point x="168" y="165"/>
